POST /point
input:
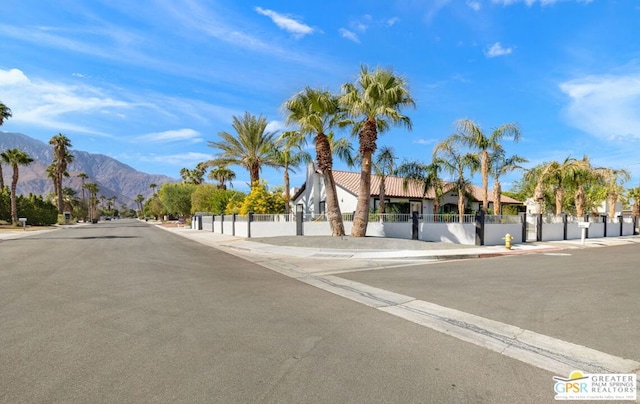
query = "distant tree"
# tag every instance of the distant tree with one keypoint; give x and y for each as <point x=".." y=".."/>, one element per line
<point x="425" y="175"/>
<point x="176" y="198"/>
<point x="5" y="113"/>
<point x="500" y="165"/>
<point x="93" y="199"/>
<point x="153" y="187"/>
<point x="447" y="156"/>
<point x="139" y="199"/>
<point x="61" y="159"/>
<point x="251" y="147"/>
<point x="291" y="156"/>
<point x="15" y="158"/>
<point x="223" y="175"/>
<point x="471" y="135"/>
<point x="83" y="177"/>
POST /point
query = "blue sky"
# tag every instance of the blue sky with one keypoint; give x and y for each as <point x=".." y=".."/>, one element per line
<point x="149" y="82"/>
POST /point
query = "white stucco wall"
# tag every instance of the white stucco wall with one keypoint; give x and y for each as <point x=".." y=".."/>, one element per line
<point x="457" y="233"/>
<point x="552" y="231"/>
<point x="493" y="233"/>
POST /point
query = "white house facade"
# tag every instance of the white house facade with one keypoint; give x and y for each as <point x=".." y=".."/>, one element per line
<point x="311" y="196"/>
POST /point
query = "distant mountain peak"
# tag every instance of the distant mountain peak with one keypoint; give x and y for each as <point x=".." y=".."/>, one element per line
<point x="113" y="177"/>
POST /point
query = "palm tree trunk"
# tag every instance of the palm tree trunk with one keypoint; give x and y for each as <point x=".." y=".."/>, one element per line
<point x="484" y="171"/>
<point x="325" y="163"/>
<point x="611" y="200"/>
<point x="538" y="195"/>
<point x="382" y="195"/>
<point x="461" y="205"/>
<point x="1" y="178"/>
<point x="497" y="195"/>
<point x="368" y="137"/>
<point x="579" y="201"/>
<point x="254" y="174"/>
<point x="333" y="208"/>
<point x="14" y="204"/>
<point x="559" y="199"/>
<point x="287" y="193"/>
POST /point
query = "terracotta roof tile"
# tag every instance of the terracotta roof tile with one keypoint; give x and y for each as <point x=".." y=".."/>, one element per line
<point x="350" y="181"/>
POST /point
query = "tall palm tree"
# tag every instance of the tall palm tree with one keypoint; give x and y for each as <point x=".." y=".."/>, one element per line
<point x="614" y="183"/>
<point x="427" y="175"/>
<point x="251" y="147"/>
<point x="139" y="199"/>
<point x="222" y="174"/>
<point x="291" y="156"/>
<point x="93" y="200"/>
<point x="61" y="159"/>
<point x="471" y="135"/>
<point x="83" y="177"/>
<point x="373" y="103"/>
<point x="315" y="112"/>
<point x="501" y="165"/>
<point x="447" y="156"/>
<point x="5" y="113"/>
<point x="15" y="158"/>
<point x="153" y="187"/>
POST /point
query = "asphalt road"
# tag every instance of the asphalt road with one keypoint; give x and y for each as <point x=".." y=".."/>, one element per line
<point x="125" y="312"/>
<point x="588" y="297"/>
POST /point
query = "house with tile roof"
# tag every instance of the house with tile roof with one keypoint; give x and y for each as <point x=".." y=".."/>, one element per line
<point x="310" y="198"/>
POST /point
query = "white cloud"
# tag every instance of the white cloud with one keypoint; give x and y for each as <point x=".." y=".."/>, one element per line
<point x="605" y="106"/>
<point x="392" y="21"/>
<point x="532" y="2"/>
<point x="189" y="159"/>
<point x="179" y="135"/>
<point x="497" y="50"/>
<point x="43" y="103"/>
<point x="286" y="23"/>
<point x="425" y="141"/>
<point x="350" y="35"/>
<point x="474" y="5"/>
<point x="274" y="126"/>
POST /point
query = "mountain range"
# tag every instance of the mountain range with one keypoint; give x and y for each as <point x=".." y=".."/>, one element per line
<point x="113" y="177"/>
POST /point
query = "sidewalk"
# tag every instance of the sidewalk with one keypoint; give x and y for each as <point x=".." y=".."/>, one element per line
<point x="347" y="247"/>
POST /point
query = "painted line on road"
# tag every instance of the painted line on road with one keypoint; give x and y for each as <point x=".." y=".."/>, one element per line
<point x="552" y="354"/>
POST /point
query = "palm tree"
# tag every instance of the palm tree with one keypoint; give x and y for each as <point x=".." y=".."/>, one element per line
<point x="222" y="174"/>
<point x="83" y="177"/>
<point x="291" y="155"/>
<point x="427" y="175"/>
<point x="384" y="166"/>
<point x="372" y="103"/>
<point x="634" y="193"/>
<point x="614" y="183"/>
<point x="582" y="172"/>
<point x="153" y="187"/>
<point x="316" y="112"/>
<point x="447" y="156"/>
<point x="139" y="199"/>
<point x="93" y="200"/>
<point x="61" y="159"/>
<point x="501" y="165"/>
<point x="555" y="174"/>
<point x="5" y="113"/>
<point x="15" y="158"/>
<point x="471" y="135"/>
<point x="251" y="147"/>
